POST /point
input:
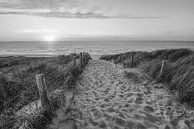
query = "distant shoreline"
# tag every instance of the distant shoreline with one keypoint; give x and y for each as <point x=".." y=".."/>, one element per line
<point x="42" y="55"/>
<point x="104" y="40"/>
<point x="95" y="48"/>
<point x="28" y="55"/>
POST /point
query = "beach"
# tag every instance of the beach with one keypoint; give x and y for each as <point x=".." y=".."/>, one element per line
<point x="109" y="96"/>
<point x="95" y="48"/>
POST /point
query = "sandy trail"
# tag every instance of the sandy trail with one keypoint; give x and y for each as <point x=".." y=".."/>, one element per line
<point x="109" y="98"/>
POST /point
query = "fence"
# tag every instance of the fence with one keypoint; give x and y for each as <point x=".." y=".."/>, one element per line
<point x="31" y="114"/>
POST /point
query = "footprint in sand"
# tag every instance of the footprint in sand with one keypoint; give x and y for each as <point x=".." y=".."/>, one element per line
<point x="115" y="101"/>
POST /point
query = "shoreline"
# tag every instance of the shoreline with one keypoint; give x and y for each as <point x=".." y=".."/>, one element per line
<point x="43" y="55"/>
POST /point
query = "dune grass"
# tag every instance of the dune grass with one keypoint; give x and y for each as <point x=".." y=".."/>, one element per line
<point x="178" y="72"/>
<point x="17" y="81"/>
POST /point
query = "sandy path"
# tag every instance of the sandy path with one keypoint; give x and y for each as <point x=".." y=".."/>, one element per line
<point x="107" y="98"/>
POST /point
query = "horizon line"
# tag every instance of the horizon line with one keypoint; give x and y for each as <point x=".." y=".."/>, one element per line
<point x="96" y="39"/>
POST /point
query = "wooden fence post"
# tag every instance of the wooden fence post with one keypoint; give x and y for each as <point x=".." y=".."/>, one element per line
<point x="81" y="60"/>
<point x="74" y="59"/>
<point x="114" y="59"/>
<point x="85" y="57"/>
<point x="132" y="60"/>
<point x="162" y="69"/>
<point x="43" y="93"/>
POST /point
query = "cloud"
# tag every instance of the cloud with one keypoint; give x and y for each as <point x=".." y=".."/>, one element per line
<point x="37" y="31"/>
<point x="78" y="15"/>
<point x="42" y="4"/>
<point x="10" y="3"/>
<point x="68" y="9"/>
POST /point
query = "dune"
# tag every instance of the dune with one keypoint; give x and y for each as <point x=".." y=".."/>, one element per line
<point x="178" y="69"/>
<point x="109" y="96"/>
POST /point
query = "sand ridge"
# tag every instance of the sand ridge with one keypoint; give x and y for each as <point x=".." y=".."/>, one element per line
<point x="111" y="97"/>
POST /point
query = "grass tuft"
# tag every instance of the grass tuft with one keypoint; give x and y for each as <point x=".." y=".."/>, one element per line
<point x="18" y="85"/>
<point x="178" y="71"/>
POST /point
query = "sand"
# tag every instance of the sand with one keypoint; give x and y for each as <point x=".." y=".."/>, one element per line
<point x="107" y="98"/>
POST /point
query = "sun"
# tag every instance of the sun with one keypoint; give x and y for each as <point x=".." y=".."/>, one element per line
<point x="49" y="38"/>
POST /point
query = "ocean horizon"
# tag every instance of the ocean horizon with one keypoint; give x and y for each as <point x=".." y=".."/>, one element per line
<point x="95" y="48"/>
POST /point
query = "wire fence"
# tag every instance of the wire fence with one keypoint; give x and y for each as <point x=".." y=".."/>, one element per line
<point x="28" y="89"/>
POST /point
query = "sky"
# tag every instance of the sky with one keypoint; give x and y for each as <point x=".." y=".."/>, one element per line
<point x="50" y="20"/>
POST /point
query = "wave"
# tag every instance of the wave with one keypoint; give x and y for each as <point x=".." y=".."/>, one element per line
<point x="93" y="47"/>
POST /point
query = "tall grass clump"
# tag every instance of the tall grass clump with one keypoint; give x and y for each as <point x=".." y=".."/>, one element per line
<point x="178" y="72"/>
<point x="17" y="81"/>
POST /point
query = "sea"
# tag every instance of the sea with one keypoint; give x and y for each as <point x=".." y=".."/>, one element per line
<point x="95" y="48"/>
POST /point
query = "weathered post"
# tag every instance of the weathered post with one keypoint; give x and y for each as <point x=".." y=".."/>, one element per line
<point x="81" y="60"/>
<point x="43" y="92"/>
<point x="85" y="56"/>
<point x="114" y="59"/>
<point x="132" y="60"/>
<point x="74" y="59"/>
<point x="162" y="69"/>
<point x="111" y="59"/>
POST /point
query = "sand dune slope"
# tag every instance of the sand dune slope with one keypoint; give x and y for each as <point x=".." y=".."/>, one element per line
<point x="111" y="97"/>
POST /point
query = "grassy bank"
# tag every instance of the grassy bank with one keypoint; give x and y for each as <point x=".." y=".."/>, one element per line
<point x="17" y="81"/>
<point x="178" y="72"/>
